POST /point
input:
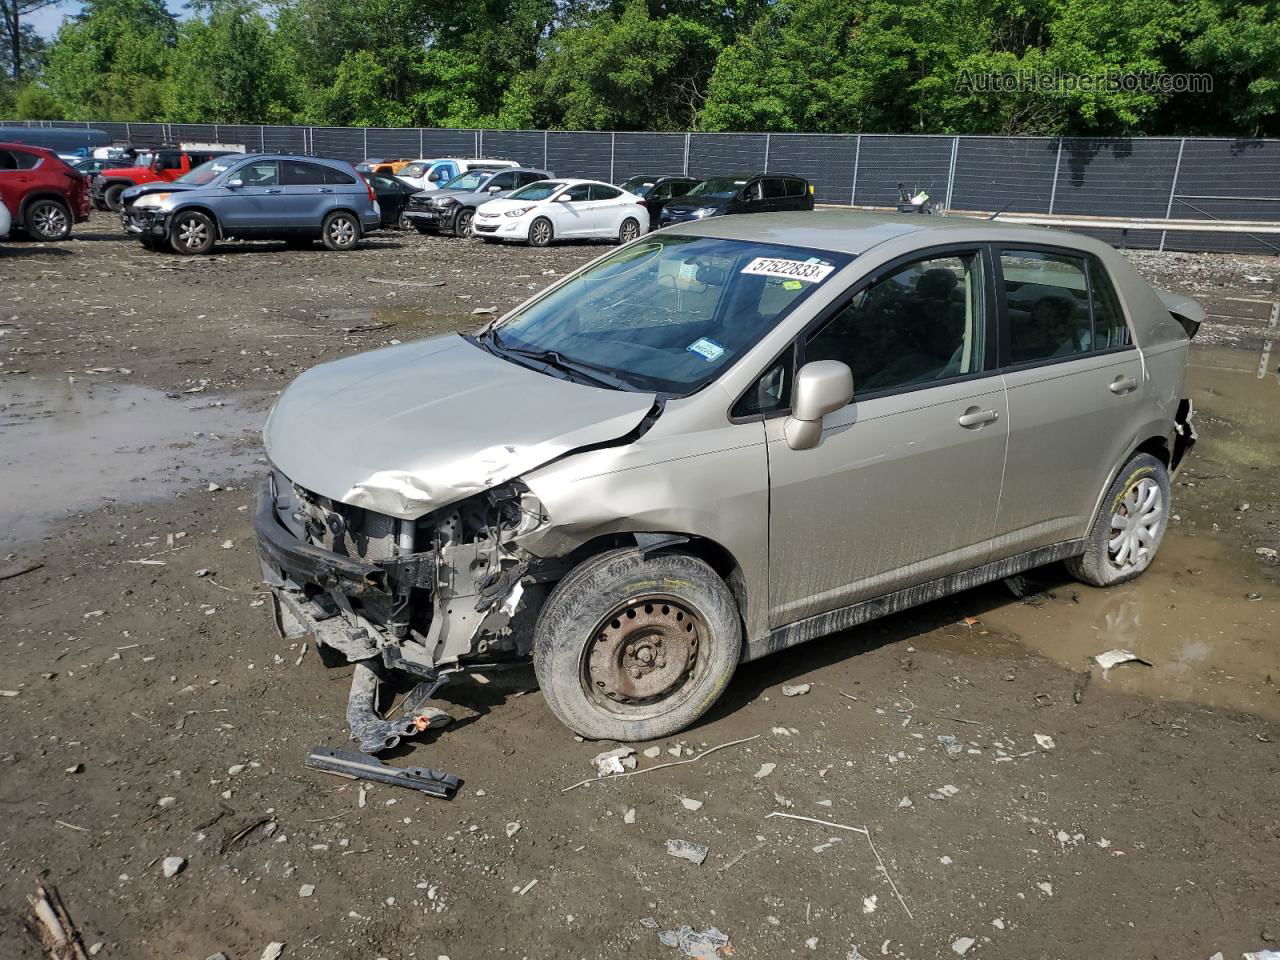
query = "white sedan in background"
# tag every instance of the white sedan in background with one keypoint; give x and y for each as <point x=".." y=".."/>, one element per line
<point x="561" y="210"/>
<point x="5" y="220"/>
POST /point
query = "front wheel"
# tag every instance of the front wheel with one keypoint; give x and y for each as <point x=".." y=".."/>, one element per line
<point x="340" y="231"/>
<point x="540" y="232"/>
<point x="634" y="648"/>
<point x="462" y="222"/>
<point x="48" y="220"/>
<point x="629" y="230"/>
<point x="1130" y="525"/>
<point x="192" y="233"/>
<point x="113" y="197"/>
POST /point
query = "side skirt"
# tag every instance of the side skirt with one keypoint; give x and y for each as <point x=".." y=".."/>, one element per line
<point x="833" y="621"/>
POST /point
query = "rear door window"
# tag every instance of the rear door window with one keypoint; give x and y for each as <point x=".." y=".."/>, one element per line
<point x="168" y="160"/>
<point x="921" y="324"/>
<point x="797" y="188"/>
<point x="23" y="160"/>
<point x="332" y="175"/>
<point x="601" y="192"/>
<point x="1109" y="328"/>
<point x="296" y="174"/>
<point x="1047" y="304"/>
<point x="503" y="181"/>
<point x="774" y="188"/>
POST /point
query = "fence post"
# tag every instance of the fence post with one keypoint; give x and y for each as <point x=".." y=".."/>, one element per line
<point x="766" y="153"/>
<point x="1173" y="188"/>
<point x="421" y="144"/>
<point x="613" y="143"/>
<point x="479" y="143"/>
<point x="365" y="155"/>
<point x="546" y="159"/>
<point x="1057" y="162"/>
<point x="127" y="135"/>
<point x="262" y="137"/>
<point x="686" y="154"/>
<point x="951" y="172"/>
<point x="857" y="155"/>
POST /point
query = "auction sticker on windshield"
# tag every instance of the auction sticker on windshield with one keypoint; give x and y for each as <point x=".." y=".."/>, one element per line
<point x="788" y="269"/>
<point x="708" y="350"/>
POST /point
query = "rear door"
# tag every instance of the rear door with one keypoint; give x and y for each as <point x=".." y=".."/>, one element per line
<point x="1074" y="378"/>
<point x="799" y="196"/>
<point x="253" y="208"/>
<point x="775" y="195"/>
<point x="308" y="196"/>
<point x="904" y="485"/>
<point x="16" y="178"/>
<point x="609" y="209"/>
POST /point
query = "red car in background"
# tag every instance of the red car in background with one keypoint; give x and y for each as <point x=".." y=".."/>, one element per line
<point x="155" y="165"/>
<point x="45" y="196"/>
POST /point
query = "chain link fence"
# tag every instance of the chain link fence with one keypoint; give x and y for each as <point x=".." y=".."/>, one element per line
<point x="1158" y="177"/>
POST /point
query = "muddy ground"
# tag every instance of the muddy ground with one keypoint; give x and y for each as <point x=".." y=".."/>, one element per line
<point x="1077" y="813"/>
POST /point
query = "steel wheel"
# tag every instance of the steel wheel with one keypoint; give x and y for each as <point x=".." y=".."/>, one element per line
<point x="629" y="230"/>
<point x="1136" y="526"/>
<point x="540" y="232"/>
<point x="49" y="220"/>
<point x="462" y="225"/>
<point x="644" y="652"/>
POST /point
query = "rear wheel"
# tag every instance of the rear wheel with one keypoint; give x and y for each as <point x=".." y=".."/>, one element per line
<point x="629" y="230"/>
<point x="635" y="648"/>
<point x="192" y="233"/>
<point x="341" y="231"/>
<point x="112" y="197"/>
<point x="48" y="220"/>
<point x="540" y="232"/>
<point x="1130" y="525"/>
<point x="462" y="222"/>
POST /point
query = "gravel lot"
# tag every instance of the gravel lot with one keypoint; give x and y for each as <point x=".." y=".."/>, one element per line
<point x="1024" y="804"/>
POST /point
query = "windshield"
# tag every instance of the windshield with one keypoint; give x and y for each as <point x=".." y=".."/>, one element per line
<point x="536" y="191"/>
<point x="208" y="170"/>
<point x="668" y="314"/>
<point x="640" y="186"/>
<point x="467" y="181"/>
<point x="413" y="170"/>
<point x="720" y="189"/>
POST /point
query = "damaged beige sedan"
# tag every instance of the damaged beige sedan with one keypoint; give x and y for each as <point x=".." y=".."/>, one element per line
<point x="717" y="442"/>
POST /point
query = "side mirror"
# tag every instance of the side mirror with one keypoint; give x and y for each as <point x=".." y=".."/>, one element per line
<point x="493" y="189"/>
<point x="564" y="198"/>
<point x="235" y="184"/>
<point x="822" y="387"/>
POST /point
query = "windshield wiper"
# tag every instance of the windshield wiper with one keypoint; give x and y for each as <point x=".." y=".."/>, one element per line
<point x="581" y="368"/>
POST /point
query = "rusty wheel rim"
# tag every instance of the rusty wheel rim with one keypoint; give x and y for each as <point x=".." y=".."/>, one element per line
<point x="647" y="651"/>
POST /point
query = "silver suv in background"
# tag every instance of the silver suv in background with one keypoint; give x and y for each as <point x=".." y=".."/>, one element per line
<point x="722" y="440"/>
<point x="451" y="208"/>
<point x="255" y="197"/>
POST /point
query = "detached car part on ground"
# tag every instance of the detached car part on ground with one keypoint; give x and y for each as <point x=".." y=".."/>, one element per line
<point x="718" y="442"/>
<point x="254" y="197"/>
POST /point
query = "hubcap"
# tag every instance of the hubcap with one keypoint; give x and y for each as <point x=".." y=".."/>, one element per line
<point x="192" y="233"/>
<point x="342" y="231"/>
<point x="541" y="233"/>
<point x="50" y="221"/>
<point x="645" y="651"/>
<point x="630" y="231"/>
<point x="464" y="222"/>
<point x="1136" y="525"/>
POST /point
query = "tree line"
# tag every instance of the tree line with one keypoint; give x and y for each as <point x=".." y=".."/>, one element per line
<point x="780" y="65"/>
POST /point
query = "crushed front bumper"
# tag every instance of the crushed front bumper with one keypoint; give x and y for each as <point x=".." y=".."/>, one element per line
<point x="144" y="222"/>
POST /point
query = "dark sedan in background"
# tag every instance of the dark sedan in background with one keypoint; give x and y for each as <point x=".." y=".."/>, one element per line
<point x="658" y="190"/>
<point x="393" y="196"/>
<point x="740" y="193"/>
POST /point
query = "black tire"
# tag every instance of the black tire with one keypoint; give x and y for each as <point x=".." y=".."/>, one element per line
<point x="608" y="631"/>
<point x="1106" y="561"/>
<point x="629" y="230"/>
<point x="341" y="231"/>
<point x="462" y="222"/>
<point x="111" y="196"/>
<point x="192" y="233"/>
<point x="541" y="233"/>
<point x="147" y="241"/>
<point x="48" y="220"/>
<point x="299" y="243"/>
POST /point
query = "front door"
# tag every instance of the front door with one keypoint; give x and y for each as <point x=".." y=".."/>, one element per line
<point x="253" y="207"/>
<point x="573" y="212"/>
<point x="1075" y="383"/>
<point x="904" y="485"/>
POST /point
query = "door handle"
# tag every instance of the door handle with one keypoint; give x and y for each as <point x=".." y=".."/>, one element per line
<point x="325" y="190"/>
<point x="973" y="417"/>
<point x="1121" y="385"/>
<point x="274" y="190"/>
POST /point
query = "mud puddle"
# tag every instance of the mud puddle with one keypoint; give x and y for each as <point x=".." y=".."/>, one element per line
<point x="70" y="446"/>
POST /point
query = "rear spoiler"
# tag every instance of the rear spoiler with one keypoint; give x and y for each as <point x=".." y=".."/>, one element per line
<point x="1185" y="310"/>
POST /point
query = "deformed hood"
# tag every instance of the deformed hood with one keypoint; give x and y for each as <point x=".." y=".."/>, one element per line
<point x="407" y="429"/>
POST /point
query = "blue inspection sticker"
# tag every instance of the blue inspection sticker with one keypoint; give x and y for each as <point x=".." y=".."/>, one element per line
<point x="708" y="350"/>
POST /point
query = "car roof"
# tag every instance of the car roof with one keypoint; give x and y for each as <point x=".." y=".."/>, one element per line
<point x="28" y="146"/>
<point x="301" y="157"/>
<point x="855" y="232"/>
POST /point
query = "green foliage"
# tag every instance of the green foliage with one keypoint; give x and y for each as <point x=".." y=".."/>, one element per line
<point x="798" y="65"/>
<point x="111" y="62"/>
